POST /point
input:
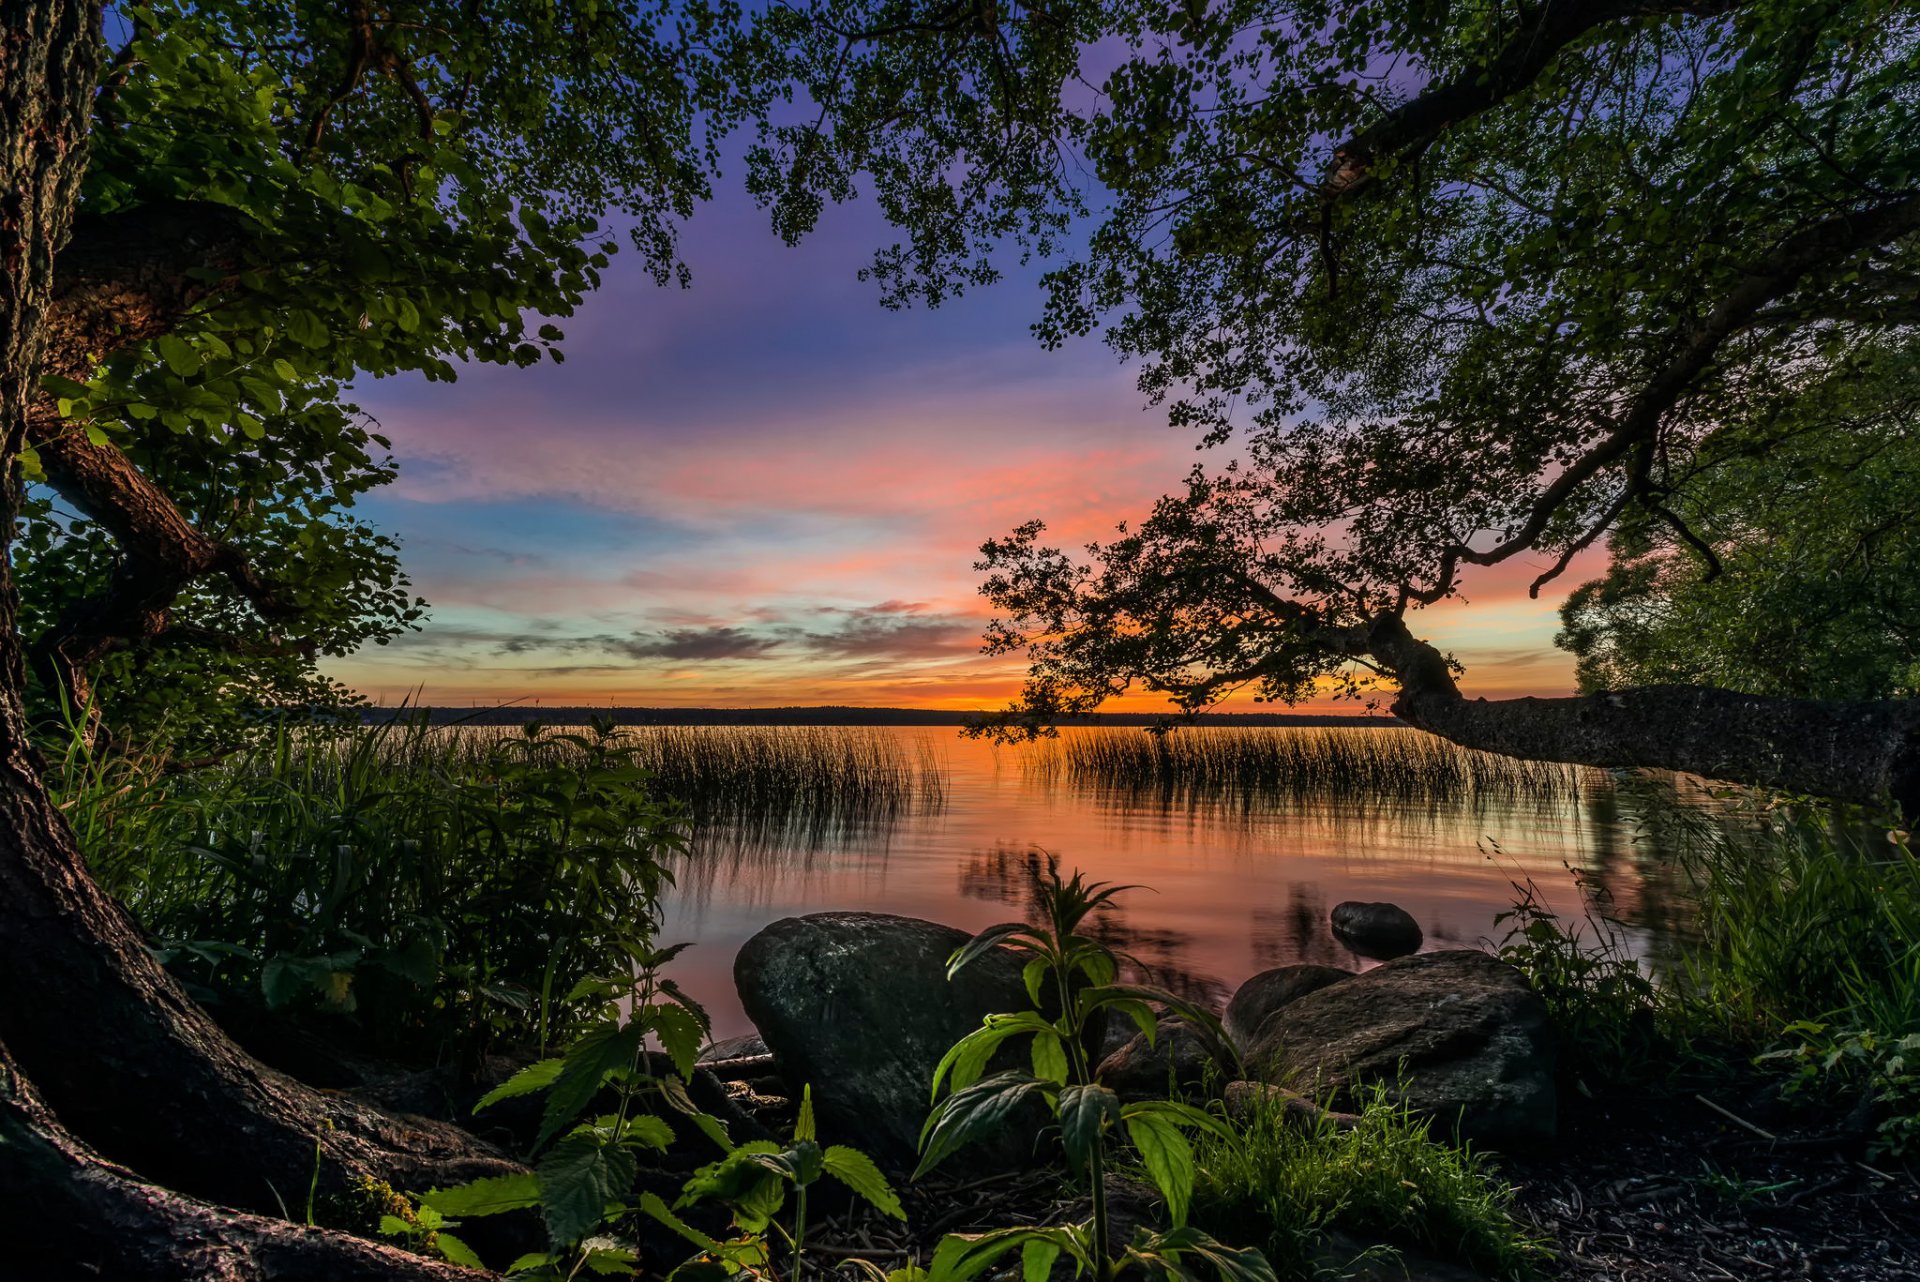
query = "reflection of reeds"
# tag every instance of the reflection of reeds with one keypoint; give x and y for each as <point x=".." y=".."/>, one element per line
<point x="1289" y="765"/>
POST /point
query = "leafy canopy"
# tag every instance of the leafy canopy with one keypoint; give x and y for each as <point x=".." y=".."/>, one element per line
<point x="368" y="191"/>
<point x="1462" y="282"/>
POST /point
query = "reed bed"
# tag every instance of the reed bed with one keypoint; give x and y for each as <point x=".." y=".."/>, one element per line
<point x="1291" y="766"/>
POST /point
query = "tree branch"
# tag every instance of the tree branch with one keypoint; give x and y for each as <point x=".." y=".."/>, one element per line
<point x="1416" y="124"/>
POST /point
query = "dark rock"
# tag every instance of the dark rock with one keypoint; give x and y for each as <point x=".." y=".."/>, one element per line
<point x="1471" y="1039"/>
<point x="1382" y="931"/>
<point x="749" y="1046"/>
<point x="859" y="1006"/>
<point x="1178" y="1062"/>
<point x="1268" y="991"/>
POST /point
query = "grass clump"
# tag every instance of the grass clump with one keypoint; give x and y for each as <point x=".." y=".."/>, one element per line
<point x="1287" y="1184"/>
<point x="1289" y="765"/>
<point x="1804" y="956"/>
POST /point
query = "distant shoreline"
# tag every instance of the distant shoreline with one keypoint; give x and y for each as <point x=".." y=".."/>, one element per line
<point x="522" y="714"/>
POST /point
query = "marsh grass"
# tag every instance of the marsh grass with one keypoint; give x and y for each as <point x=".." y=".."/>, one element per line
<point x="442" y="888"/>
<point x="1286" y="1185"/>
<point x="1388" y="764"/>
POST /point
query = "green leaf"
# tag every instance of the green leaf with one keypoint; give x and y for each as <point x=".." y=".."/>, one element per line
<point x="963" y="1256"/>
<point x="675" y="1093"/>
<point x="490" y="1196"/>
<point x="178" y="354"/>
<point x="536" y="1076"/>
<point x="803" y="1126"/>
<point x="649" y="1132"/>
<point x="1036" y="1259"/>
<point x="1168" y="1157"/>
<point x="1085" y="1112"/>
<point x="1033" y="975"/>
<point x="653" y="1205"/>
<point x="985" y="1109"/>
<point x="1233" y="1264"/>
<point x="856" y="1170"/>
<point x="580" y="1178"/>
<point x="967" y="1058"/>
<point x="1181" y="1114"/>
<point x="604" y="1049"/>
<point x="983" y="943"/>
<point x="284" y="368"/>
<point x="680" y="1034"/>
<point x="1049" y="1057"/>
<point x="456" y="1251"/>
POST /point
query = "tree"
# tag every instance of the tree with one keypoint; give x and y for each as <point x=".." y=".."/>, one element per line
<point x="251" y="206"/>
<point x="1808" y="583"/>
<point x="1462" y="283"/>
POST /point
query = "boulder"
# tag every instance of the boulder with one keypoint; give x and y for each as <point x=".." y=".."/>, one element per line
<point x="1458" y="1035"/>
<point x="1382" y="931"/>
<point x="859" y="1006"/>
<point x="1178" y="1061"/>
<point x="1268" y="991"/>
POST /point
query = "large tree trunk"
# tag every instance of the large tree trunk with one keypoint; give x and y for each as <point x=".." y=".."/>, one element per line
<point x="1864" y="752"/>
<point x="65" y="1212"/>
<point x="124" y="1058"/>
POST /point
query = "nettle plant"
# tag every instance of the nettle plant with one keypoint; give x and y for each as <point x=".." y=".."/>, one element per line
<point x="1080" y="975"/>
<point x="585" y="1166"/>
<point x="753" y="1181"/>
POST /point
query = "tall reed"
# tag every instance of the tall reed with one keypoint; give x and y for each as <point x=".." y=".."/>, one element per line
<point x="1384" y="763"/>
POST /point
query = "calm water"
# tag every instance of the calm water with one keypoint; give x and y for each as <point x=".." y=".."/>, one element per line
<point x="1234" y="888"/>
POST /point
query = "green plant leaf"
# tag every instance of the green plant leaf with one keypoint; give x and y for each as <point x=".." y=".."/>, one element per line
<point x="489" y="1196"/>
<point x="1036" y="1259"/>
<point x="803" y="1126"/>
<point x="580" y="1177"/>
<point x="653" y="1205"/>
<point x="649" y="1132"/>
<point x="456" y="1251"/>
<point x="680" y="1034"/>
<point x="536" y="1076"/>
<point x="962" y="1256"/>
<point x="1049" y="1057"/>
<point x="967" y="1058"/>
<point x="1084" y="1114"/>
<point x="990" y="938"/>
<point x="1168" y="1157"/>
<point x="1233" y="1264"/>
<point x="600" y="1051"/>
<point x="984" y="1109"/>
<point x="856" y="1170"/>
<point x="1181" y="1114"/>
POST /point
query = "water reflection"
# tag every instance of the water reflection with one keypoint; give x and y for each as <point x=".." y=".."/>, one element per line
<point x="1240" y="879"/>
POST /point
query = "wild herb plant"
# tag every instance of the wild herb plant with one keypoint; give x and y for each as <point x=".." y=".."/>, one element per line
<point x="584" y="1166"/>
<point x="1079" y="975"/>
<point x="753" y="1181"/>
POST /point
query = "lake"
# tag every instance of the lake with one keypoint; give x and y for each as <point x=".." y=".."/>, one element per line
<point x="1235" y="878"/>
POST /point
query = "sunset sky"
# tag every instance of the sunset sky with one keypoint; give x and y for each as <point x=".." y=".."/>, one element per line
<point x="768" y="490"/>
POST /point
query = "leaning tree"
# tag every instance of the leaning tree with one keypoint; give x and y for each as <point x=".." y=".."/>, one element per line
<point x="1462" y="285"/>
<point x="212" y="216"/>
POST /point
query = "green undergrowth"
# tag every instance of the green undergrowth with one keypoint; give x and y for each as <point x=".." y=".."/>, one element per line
<point x="1286" y="1184"/>
<point x="407" y="894"/>
<point x="1802" y="967"/>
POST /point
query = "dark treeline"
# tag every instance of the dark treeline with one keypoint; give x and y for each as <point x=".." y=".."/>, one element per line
<point x="831" y="715"/>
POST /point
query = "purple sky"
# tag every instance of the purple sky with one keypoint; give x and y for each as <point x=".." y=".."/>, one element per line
<point x="767" y="489"/>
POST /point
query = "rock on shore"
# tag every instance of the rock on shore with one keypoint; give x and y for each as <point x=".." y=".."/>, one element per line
<point x="1458" y="1034"/>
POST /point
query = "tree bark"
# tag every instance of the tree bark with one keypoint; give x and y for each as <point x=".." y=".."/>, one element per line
<point x="65" y="1211"/>
<point x="124" y="1057"/>
<point x="1865" y="752"/>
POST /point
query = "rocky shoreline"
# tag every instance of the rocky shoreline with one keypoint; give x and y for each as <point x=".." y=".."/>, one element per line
<point x="859" y="1006"/>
